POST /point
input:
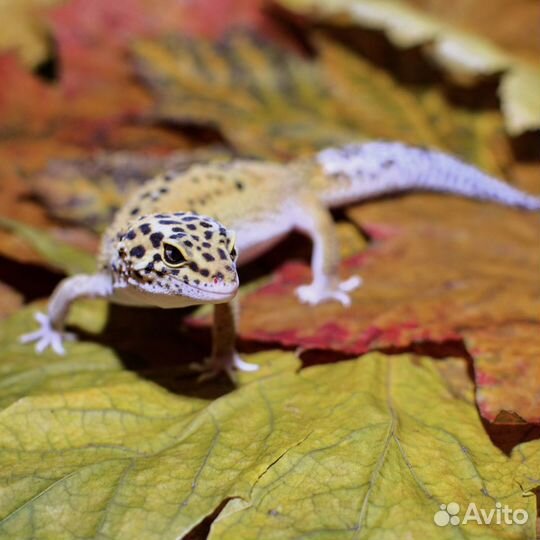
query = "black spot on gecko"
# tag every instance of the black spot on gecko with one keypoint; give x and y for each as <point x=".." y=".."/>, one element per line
<point x="156" y="239"/>
<point x="134" y="212"/>
<point x="190" y="218"/>
<point x="149" y="267"/>
<point x="191" y="227"/>
<point x="177" y="229"/>
<point x="177" y="235"/>
<point x="157" y="257"/>
<point x="131" y="235"/>
<point x="222" y="254"/>
<point x="197" y="281"/>
<point x="208" y="235"/>
<point x="206" y="225"/>
<point x="208" y="257"/>
<point x="195" y="237"/>
<point x="169" y="222"/>
<point x="188" y="243"/>
<point x="168" y="177"/>
<point x="194" y="266"/>
<point x="205" y="272"/>
<point x="206" y="245"/>
<point x="137" y="251"/>
<point x="239" y="185"/>
<point x="163" y="190"/>
<point x="145" y="228"/>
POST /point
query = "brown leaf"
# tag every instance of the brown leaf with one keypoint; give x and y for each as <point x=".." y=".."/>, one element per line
<point x="10" y="300"/>
<point x="516" y="31"/>
<point x="438" y="266"/>
<point x="507" y="370"/>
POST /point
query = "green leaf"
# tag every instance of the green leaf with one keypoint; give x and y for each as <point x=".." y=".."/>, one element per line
<point x="368" y="447"/>
<point x="58" y="254"/>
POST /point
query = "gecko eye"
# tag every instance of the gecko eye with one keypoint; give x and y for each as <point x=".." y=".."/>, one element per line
<point x="173" y="256"/>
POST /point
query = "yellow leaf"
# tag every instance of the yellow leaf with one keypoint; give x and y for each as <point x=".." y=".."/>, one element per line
<point x="272" y="103"/>
<point x="364" y="448"/>
<point x="24" y="29"/>
<point x="466" y="56"/>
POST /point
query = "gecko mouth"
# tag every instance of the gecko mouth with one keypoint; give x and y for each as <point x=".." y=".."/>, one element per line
<point x="208" y="294"/>
<point x="213" y="292"/>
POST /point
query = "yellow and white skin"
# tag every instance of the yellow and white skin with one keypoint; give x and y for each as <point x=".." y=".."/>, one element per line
<point x="176" y="240"/>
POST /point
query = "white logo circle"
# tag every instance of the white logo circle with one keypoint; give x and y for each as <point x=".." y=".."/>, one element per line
<point x="447" y="514"/>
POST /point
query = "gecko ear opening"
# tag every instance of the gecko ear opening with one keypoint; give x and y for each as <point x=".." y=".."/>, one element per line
<point x="173" y="256"/>
<point x="232" y="246"/>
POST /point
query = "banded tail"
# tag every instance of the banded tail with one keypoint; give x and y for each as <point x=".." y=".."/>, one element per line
<point x="359" y="171"/>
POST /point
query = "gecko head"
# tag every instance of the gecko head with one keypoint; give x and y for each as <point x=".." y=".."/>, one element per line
<point x="178" y="259"/>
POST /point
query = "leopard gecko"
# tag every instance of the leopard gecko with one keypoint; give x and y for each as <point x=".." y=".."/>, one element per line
<point x="177" y="240"/>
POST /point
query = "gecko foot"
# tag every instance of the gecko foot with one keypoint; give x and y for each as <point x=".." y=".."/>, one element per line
<point x="316" y="293"/>
<point x="212" y="367"/>
<point x="47" y="336"/>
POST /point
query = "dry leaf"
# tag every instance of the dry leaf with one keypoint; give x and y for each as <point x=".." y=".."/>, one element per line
<point x="507" y="370"/>
<point x="467" y="57"/>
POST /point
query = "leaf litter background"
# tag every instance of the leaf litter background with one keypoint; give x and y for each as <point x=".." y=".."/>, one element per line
<point x="116" y="440"/>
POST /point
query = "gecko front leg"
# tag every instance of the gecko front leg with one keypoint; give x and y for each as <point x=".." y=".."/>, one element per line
<point x="224" y="355"/>
<point x="313" y="219"/>
<point x="51" y="332"/>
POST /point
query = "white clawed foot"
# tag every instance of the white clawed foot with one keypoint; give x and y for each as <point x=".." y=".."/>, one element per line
<point x="212" y="367"/>
<point x="316" y="293"/>
<point x="47" y="336"/>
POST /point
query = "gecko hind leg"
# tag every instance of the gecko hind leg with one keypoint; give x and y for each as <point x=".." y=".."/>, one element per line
<point x="47" y="336"/>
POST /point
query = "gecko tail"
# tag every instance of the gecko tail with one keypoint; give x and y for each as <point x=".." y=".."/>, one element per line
<point x="359" y="171"/>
